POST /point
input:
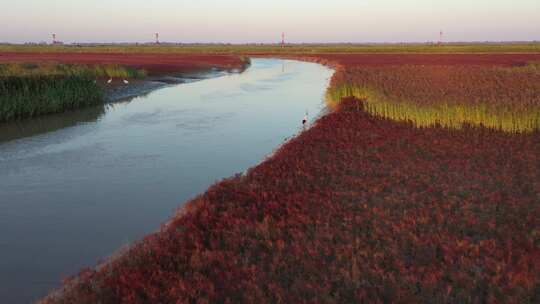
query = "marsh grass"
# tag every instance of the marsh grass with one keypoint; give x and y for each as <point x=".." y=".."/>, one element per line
<point x="30" y="96"/>
<point x="33" y="89"/>
<point x="506" y="99"/>
<point x="446" y="114"/>
<point x="58" y="69"/>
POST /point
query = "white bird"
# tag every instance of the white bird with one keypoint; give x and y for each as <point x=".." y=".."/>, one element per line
<point x="126" y="82"/>
<point x="109" y="81"/>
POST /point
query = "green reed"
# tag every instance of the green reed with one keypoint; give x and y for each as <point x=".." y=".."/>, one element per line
<point x="30" y="96"/>
<point x="444" y="113"/>
<point x="58" y="69"/>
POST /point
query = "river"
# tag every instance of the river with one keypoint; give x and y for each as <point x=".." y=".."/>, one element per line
<point x="76" y="187"/>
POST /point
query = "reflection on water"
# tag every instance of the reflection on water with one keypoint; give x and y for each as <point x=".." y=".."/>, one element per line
<point x="30" y="127"/>
<point x="75" y="187"/>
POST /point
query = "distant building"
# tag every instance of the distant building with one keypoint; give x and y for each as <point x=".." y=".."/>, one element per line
<point x="56" y="42"/>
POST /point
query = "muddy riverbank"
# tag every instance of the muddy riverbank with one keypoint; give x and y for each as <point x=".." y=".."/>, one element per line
<point x="118" y="90"/>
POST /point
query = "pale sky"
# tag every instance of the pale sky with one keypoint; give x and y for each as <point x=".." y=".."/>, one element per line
<point x="241" y="21"/>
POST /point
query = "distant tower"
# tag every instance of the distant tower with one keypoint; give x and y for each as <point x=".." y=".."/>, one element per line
<point x="53" y="38"/>
<point x="283" y="39"/>
<point x="440" y="37"/>
<point x="157" y="38"/>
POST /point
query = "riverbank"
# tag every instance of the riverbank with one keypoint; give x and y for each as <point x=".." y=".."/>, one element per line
<point x="40" y="84"/>
<point x="357" y="208"/>
<point x="118" y="90"/>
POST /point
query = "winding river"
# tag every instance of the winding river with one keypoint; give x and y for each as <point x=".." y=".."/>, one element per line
<point x="77" y="186"/>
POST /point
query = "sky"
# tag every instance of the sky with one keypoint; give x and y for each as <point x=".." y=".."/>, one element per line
<point x="258" y="21"/>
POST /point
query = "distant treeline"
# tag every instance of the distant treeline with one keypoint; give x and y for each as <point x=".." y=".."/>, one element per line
<point x="276" y="48"/>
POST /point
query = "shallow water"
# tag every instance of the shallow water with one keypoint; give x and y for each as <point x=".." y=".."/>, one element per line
<point x="75" y="187"/>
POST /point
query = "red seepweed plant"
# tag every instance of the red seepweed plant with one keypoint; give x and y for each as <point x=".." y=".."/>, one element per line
<point x="355" y="209"/>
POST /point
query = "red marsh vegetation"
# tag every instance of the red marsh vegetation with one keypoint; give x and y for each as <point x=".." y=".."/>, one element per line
<point x="152" y="63"/>
<point x="360" y="207"/>
<point x="378" y="60"/>
<point x="356" y="209"/>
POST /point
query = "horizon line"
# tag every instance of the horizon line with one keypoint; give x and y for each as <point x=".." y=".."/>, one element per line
<point x="60" y="43"/>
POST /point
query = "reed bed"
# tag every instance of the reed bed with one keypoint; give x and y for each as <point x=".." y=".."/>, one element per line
<point x="32" y="89"/>
<point x="30" y="96"/>
<point x="59" y="69"/>
<point x="500" y="98"/>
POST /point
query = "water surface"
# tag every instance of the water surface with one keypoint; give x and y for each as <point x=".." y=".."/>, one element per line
<point x="77" y="186"/>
